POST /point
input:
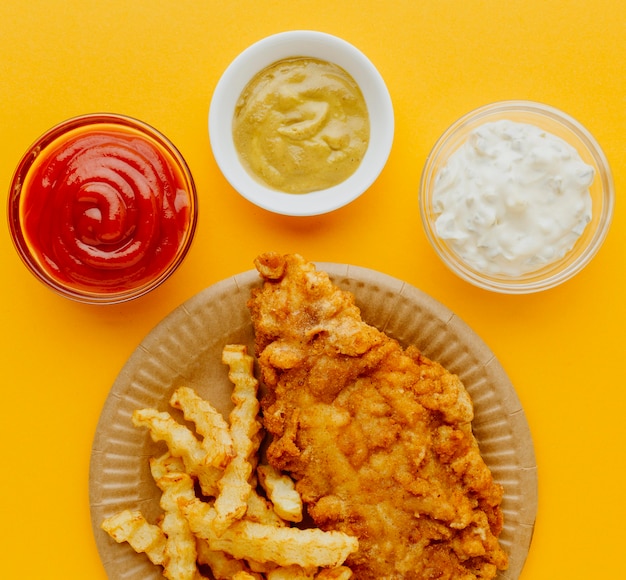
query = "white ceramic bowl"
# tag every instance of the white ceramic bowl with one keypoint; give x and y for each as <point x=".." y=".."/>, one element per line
<point x="301" y="43"/>
<point x="602" y="194"/>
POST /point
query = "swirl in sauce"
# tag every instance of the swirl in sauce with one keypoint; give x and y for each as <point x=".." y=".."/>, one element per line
<point x="105" y="210"/>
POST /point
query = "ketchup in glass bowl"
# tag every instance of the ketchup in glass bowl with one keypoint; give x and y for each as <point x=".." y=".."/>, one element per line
<point x="102" y="208"/>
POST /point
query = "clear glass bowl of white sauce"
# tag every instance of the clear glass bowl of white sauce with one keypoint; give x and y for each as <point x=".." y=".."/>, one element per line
<point x="516" y="197"/>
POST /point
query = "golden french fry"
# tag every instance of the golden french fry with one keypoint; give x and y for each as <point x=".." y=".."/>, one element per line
<point x="281" y="490"/>
<point x="181" y="443"/>
<point x="180" y="547"/>
<point x="261" y="511"/>
<point x="284" y="546"/>
<point x="234" y="486"/>
<point x="130" y="526"/>
<point x="234" y="489"/>
<point x="209" y="423"/>
<point x="180" y="550"/>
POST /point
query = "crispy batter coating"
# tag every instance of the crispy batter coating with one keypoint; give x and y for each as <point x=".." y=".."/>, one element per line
<point x="378" y="438"/>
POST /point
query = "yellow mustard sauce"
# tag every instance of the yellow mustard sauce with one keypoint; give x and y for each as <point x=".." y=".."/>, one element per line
<point x="301" y="125"/>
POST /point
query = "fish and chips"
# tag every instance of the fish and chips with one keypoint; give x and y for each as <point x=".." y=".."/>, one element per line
<point x="372" y="469"/>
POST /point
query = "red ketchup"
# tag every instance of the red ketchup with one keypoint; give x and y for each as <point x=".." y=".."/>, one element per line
<point x="105" y="209"/>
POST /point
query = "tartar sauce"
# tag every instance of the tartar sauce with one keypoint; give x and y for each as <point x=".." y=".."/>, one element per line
<point x="512" y="199"/>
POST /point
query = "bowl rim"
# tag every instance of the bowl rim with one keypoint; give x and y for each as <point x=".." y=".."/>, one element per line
<point x="49" y="137"/>
<point x="529" y="283"/>
<point x="301" y="43"/>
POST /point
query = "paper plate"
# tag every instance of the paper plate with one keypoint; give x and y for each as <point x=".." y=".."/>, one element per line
<point x="185" y="349"/>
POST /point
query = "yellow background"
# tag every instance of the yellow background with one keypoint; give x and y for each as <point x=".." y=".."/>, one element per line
<point x="564" y="349"/>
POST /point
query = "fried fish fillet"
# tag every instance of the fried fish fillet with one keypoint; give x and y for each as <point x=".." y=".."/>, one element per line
<point x="378" y="438"/>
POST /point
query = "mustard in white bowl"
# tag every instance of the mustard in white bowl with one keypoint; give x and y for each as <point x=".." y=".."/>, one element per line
<point x="327" y="197"/>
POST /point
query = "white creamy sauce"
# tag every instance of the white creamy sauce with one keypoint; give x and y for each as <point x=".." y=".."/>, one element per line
<point x="512" y="199"/>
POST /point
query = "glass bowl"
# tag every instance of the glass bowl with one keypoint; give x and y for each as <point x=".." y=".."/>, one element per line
<point x="601" y="191"/>
<point x="102" y="208"/>
<point x="300" y="44"/>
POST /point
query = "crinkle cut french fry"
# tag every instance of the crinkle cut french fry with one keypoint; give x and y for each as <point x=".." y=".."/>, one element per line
<point x="210" y="424"/>
<point x="180" y="548"/>
<point x="281" y="490"/>
<point x="232" y="501"/>
<point x="130" y="526"/>
<point x="234" y="486"/>
<point x="284" y="546"/>
<point x="181" y="443"/>
<point x="261" y="511"/>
